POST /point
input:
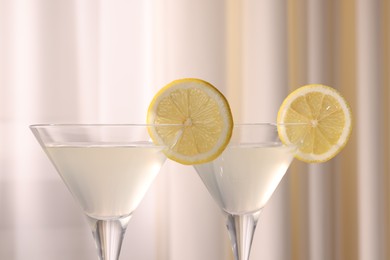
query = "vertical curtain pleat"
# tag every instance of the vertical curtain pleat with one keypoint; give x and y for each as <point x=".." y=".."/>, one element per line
<point x="345" y="70"/>
<point x="234" y="52"/>
<point x="385" y="16"/>
<point x="370" y="127"/>
<point x="320" y="176"/>
<point x="346" y="189"/>
<point x="125" y="60"/>
<point x="87" y="60"/>
<point x="297" y="67"/>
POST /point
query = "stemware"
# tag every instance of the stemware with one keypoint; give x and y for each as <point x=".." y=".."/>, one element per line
<point x="243" y="178"/>
<point x="108" y="169"/>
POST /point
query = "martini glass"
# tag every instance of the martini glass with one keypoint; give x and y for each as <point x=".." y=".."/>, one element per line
<point x="108" y="169"/>
<point x="242" y="179"/>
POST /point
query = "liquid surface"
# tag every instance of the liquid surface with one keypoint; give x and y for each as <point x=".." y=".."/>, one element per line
<point x="108" y="181"/>
<point x="243" y="178"/>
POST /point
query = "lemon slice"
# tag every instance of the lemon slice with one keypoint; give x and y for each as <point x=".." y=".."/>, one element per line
<point x="321" y="122"/>
<point x="195" y="118"/>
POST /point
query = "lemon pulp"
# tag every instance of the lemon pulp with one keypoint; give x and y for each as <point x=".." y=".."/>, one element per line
<point x="324" y="122"/>
<point x="195" y="118"/>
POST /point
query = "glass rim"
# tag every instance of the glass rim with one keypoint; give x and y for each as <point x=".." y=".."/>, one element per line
<point x="98" y="125"/>
<point x="147" y="125"/>
<point x="269" y="124"/>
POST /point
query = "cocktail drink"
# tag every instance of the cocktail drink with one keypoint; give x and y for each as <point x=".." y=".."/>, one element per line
<point x="108" y="169"/>
<point x="243" y="178"/>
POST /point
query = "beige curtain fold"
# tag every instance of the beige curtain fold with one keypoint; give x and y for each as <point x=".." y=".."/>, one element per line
<point x="348" y="198"/>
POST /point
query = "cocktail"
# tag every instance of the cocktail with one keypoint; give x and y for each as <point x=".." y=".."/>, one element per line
<point x="243" y="178"/>
<point x="108" y="169"/>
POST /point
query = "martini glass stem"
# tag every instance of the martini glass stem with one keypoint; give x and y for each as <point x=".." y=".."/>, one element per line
<point x="241" y="230"/>
<point x="108" y="235"/>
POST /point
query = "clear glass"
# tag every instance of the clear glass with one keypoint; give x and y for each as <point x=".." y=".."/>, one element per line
<point x="108" y="169"/>
<point x="243" y="178"/>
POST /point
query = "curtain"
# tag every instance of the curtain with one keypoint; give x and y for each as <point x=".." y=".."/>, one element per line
<point x="102" y="62"/>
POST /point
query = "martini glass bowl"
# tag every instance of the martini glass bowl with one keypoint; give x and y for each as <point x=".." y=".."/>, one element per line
<point x="243" y="178"/>
<point x="108" y="169"/>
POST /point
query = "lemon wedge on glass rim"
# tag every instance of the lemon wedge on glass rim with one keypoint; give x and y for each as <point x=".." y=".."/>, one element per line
<point x="318" y="119"/>
<point x="195" y="118"/>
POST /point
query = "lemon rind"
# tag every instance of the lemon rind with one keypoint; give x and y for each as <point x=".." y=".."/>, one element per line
<point x="346" y="133"/>
<point x="222" y="104"/>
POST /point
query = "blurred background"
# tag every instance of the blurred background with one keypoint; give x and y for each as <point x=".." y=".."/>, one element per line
<point x="102" y="61"/>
